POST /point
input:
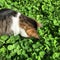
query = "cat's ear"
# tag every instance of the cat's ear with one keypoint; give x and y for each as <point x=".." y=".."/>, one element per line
<point x="32" y="33"/>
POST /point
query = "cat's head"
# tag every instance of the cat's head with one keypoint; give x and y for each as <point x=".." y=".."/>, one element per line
<point x="28" y="27"/>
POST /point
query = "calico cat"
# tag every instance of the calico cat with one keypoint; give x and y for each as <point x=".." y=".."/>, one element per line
<point x="12" y="22"/>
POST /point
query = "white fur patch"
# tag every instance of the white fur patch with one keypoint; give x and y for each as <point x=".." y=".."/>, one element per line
<point x="15" y="26"/>
<point x="23" y="33"/>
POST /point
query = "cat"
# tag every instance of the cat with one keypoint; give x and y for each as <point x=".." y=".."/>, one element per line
<point x="12" y="22"/>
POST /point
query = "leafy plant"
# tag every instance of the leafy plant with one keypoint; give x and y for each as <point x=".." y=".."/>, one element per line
<point x="48" y="46"/>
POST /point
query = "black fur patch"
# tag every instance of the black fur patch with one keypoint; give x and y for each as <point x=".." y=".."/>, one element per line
<point x="4" y="13"/>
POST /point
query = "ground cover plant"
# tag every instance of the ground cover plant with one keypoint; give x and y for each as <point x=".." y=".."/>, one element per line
<point x="48" y="46"/>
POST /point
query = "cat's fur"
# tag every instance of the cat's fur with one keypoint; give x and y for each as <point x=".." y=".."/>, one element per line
<point x="12" y="22"/>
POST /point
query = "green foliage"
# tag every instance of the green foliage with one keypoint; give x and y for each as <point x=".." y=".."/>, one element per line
<point x="48" y="46"/>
